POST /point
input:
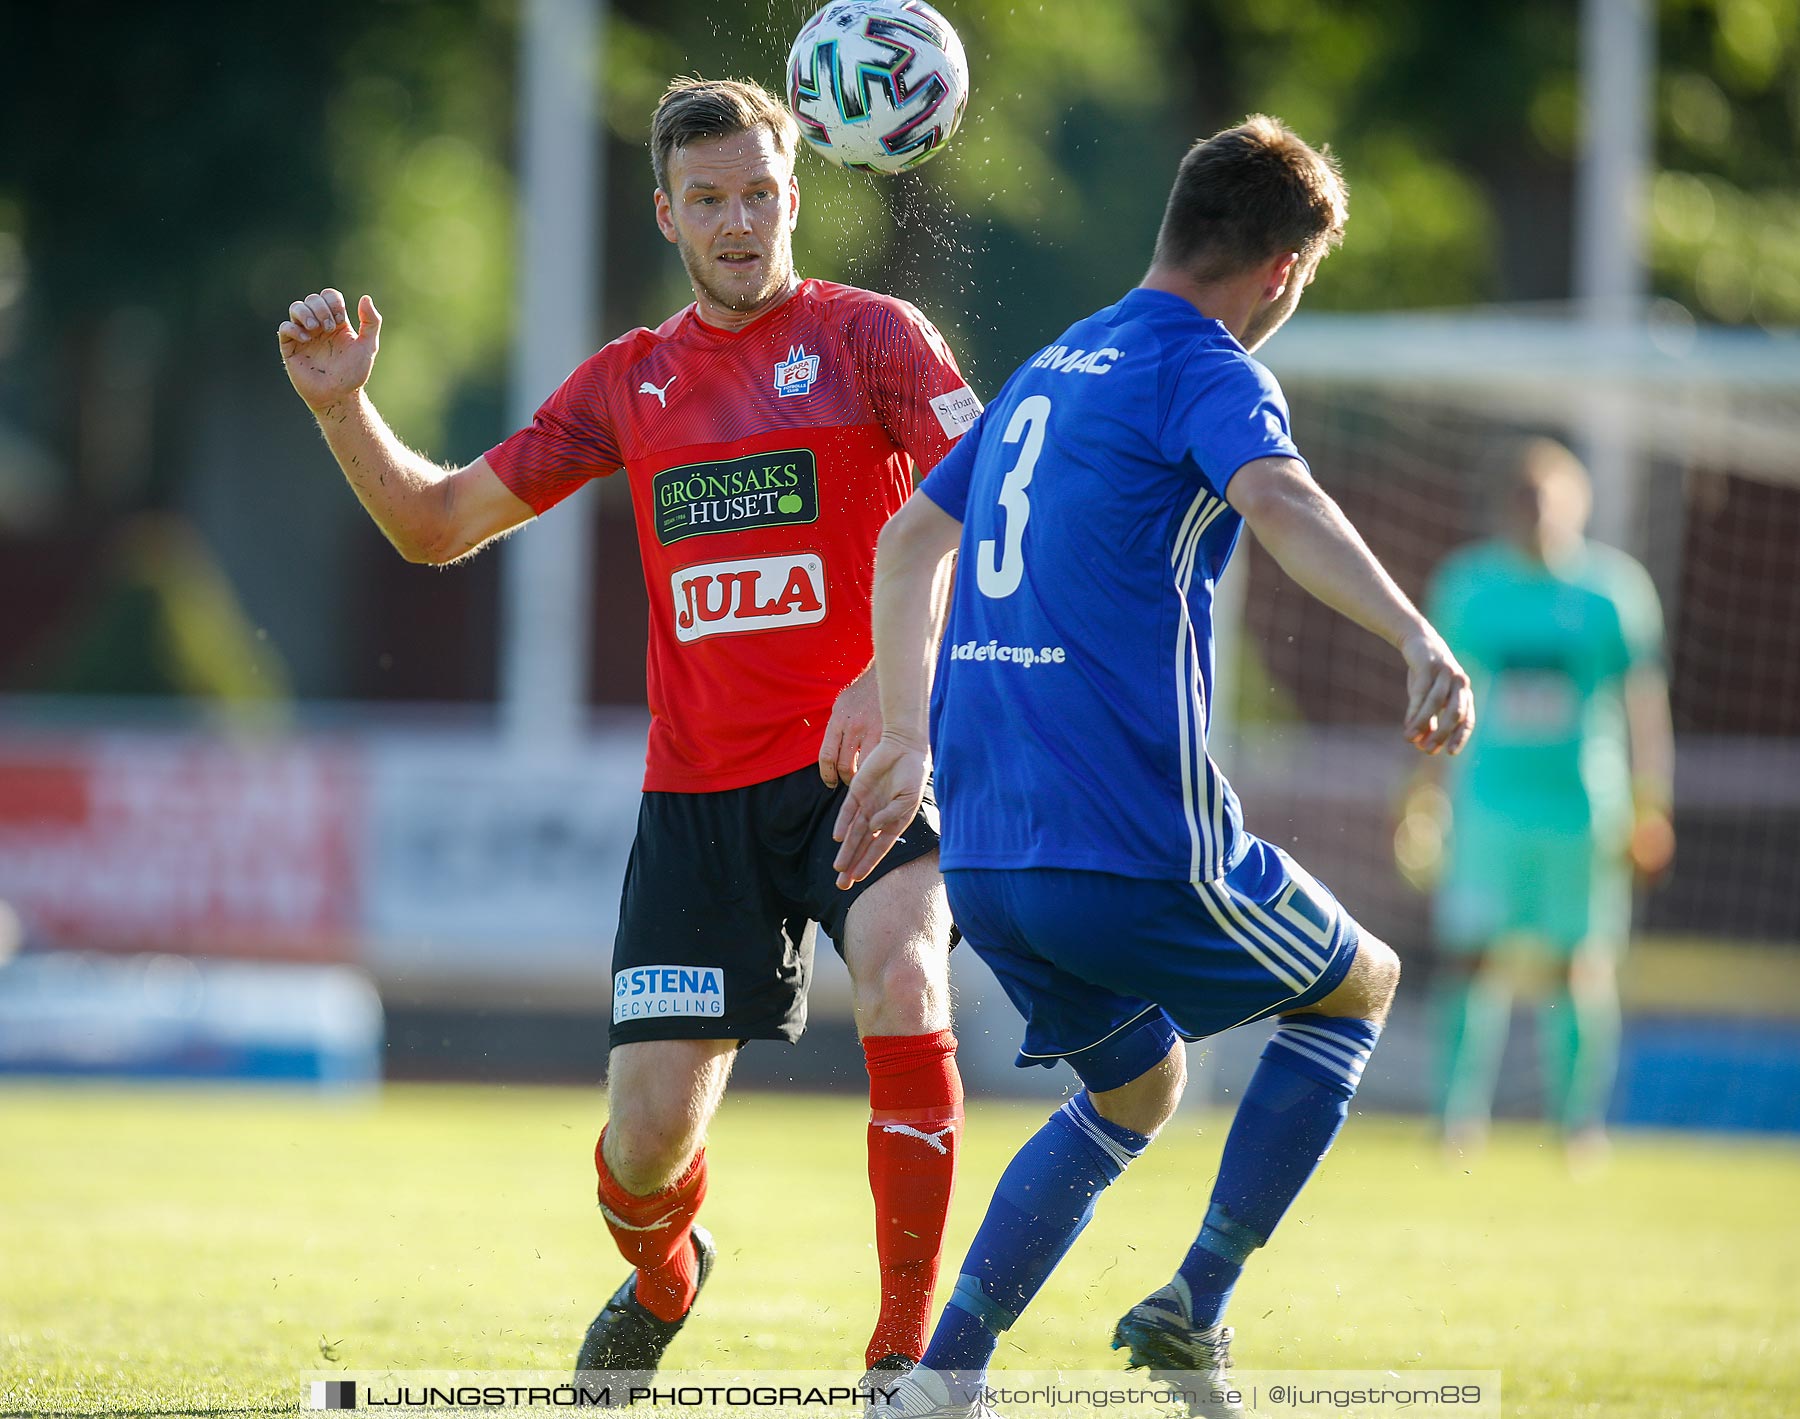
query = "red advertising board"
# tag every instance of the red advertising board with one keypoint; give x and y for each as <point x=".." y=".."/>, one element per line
<point x="135" y="842"/>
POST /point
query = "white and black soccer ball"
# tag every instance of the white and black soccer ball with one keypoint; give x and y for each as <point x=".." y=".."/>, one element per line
<point x="878" y="85"/>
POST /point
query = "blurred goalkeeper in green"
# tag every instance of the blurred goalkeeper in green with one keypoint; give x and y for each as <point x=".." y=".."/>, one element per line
<point x="1561" y="799"/>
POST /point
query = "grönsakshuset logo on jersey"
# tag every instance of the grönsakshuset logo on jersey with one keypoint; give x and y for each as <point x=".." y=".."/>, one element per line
<point x="748" y="594"/>
<point x="775" y="489"/>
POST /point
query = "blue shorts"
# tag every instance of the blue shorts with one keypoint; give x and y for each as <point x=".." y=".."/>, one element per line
<point x="1109" y="971"/>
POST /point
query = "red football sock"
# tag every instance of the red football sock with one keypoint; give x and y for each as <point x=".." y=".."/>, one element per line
<point x="654" y="1234"/>
<point x="915" y="1120"/>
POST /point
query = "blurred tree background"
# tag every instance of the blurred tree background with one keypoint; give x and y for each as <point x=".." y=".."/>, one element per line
<point x="175" y="174"/>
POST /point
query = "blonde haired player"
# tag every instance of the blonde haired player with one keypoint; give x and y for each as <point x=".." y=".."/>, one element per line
<point x="766" y="431"/>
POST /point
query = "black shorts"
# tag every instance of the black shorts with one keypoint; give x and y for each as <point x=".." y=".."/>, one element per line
<point x="713" y="940"/>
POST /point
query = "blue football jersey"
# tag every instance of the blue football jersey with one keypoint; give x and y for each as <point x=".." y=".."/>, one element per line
<point x="1074" y="686"/>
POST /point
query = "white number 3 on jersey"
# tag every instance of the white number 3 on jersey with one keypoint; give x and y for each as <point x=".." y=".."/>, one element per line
<point x="999" y="575"/>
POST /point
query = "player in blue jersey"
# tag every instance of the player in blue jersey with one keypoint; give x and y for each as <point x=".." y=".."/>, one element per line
<point x="1095" y="856"/>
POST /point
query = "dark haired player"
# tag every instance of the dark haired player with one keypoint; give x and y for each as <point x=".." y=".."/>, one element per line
<point x="1099" y="863"/>
<point x="767" y="432"/>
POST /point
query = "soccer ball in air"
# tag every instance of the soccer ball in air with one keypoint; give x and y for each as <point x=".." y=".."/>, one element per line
<point x="878" y="85"/>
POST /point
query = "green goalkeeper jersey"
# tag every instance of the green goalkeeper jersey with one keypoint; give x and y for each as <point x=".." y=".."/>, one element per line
<point x="1548" y="650"/>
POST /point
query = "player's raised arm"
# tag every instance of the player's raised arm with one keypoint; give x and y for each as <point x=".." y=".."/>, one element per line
<point x="889" y="786"/>
<point x="1308" y="534"/>
<point x="430" y="513"/>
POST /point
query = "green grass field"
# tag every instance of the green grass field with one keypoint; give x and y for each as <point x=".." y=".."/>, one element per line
<point x="178" y="1251"/>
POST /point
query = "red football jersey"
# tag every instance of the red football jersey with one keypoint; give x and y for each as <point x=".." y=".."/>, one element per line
<point x="763" y="463"/>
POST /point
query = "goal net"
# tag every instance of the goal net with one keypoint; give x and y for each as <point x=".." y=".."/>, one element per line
<point x="1693" y="438"/>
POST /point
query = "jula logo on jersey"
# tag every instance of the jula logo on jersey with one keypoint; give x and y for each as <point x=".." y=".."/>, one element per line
<point x="750" y="594"/>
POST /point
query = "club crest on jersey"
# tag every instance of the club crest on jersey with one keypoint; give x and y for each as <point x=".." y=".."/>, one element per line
<point x="749" y="594"/>
<point x="796" y="374"/>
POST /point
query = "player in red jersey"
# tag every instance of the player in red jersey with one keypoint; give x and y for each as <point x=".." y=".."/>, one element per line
<point x="767" y="432"/>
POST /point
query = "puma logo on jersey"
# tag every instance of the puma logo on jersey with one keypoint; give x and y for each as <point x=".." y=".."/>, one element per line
<point x="662" y="395"/>
<point x="752" y="594"/>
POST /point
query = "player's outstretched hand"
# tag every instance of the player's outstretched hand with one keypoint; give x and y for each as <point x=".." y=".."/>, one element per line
<point x="326" y="360"/>
<point x="1440" y="708"/>
<point x="884" y="799"/>
<point x="854" y="726"/>
<point x="1652" y="845"/>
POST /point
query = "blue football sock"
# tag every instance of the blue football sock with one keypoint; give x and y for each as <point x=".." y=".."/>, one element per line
<point x="1042" y="1203"/>
<point x="1295" y="1105"/>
